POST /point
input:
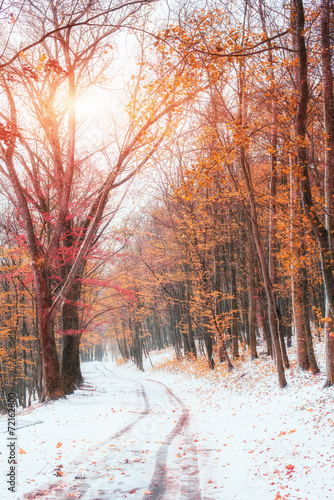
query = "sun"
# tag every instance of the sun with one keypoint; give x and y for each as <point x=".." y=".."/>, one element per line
<point x="92" y="105"/>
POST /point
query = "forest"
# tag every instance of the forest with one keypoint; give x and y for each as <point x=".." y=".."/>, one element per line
<point x="167" y="179"/>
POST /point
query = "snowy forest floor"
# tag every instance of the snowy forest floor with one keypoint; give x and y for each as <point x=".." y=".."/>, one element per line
<point x="178" y="431"/>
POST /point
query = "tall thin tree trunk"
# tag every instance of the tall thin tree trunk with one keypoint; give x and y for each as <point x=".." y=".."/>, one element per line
<point x="327" y="84"/>
<point x="273" y="183"/>
<point x="321" y="232"/>
<point x="296" y="272"/>
<point x="189" y="323"/>
<point x="251" y="295"/>
<point x="246" y="174"/>
<point x="234" y="313"/>
<point x="296" y="243"/>
<point x="272" y="307"/>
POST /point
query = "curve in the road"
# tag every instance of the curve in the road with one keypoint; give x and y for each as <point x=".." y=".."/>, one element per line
<point x="81" y="458"/>
<point x="165" y="481"/>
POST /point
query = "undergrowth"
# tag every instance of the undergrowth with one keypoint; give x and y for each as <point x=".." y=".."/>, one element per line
<point x="199" y="367"/>
<point x="254" y="371"/>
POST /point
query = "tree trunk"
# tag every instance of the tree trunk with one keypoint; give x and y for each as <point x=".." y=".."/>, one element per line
<point x="272" y="308"/>
<point x="251" y="294"/>
<point x="209" y="348"/>
<point x="313" y="366"/>
<point x="321" y="232"/>
<point x="297" y="232"/>
<point x="327" y="84"/>
<point x="246" y="174"/>
<point x="70" y="366"/>
<point x="296" y="274"/>
<point x="234" y="314"/>
<point x="51" y="372"/>
<point x="71" y="375"/>
<point x="189" y="323"/>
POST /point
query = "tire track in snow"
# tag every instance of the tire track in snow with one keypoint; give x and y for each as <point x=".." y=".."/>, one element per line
<point x="82" y="457"/>
<point x="163" y="483"/>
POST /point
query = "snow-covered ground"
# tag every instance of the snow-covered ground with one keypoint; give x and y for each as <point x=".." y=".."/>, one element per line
<point x="214" y="437"/>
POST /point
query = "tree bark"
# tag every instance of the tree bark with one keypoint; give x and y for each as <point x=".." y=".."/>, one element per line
<point x="251" y="294"/>
<point x="272" y="308"/>
<point x="313" y="366"/>
<point x="71" y="375"/>
<point x="322" y="234"/>
<point x="296" y="272"/>
<point x="234" y="312"/>
<point x="51" y="372"/>
<point x="327" y="84"/>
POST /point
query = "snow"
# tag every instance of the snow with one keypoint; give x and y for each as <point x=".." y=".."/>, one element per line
<point x="235" y="437"/>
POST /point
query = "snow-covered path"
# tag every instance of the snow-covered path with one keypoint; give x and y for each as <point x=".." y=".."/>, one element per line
<point x="171" y="435"/>
<point x="129" y="433"/>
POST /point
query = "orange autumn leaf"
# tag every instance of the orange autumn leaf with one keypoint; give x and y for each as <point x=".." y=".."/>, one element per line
<point x="59" y="445"/>
<point x="22" y="452"/>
